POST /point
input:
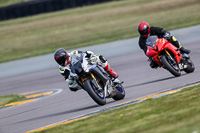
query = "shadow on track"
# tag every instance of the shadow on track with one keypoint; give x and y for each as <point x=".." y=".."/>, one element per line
<point x="149" y="82"/>
<point x="60" y="113"/>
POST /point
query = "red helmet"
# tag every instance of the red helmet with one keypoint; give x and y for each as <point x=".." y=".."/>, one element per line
<point x="144" y="29"/>
<point x="61" y="56"/>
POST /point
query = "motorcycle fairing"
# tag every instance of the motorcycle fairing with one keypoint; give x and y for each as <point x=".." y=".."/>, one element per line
<point x="155" y="45"/>
<point x="174" y="50"/>
<point x="96" y="70"/>
<point x="152" y="48"/>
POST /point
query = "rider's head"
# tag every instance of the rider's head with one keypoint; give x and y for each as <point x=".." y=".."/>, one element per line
<point x="144" y="29"/>
<point x="62" y="57"/>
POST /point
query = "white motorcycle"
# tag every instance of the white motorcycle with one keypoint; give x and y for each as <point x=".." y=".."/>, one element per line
<point x="95" y="80"/>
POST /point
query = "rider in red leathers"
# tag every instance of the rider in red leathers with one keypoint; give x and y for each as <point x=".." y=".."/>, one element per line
<point x="145" y="30"/>
<point x="64" y="59"/>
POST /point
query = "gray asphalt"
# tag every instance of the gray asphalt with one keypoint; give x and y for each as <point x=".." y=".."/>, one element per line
<point x="41" y="73"/>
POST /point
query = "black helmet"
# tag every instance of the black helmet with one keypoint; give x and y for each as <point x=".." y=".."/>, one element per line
<point x="61" y="56"/>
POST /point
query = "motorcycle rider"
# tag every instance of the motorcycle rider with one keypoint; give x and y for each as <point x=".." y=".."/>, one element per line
<point x="63" y="58"/>
<point x="145" y="30"/>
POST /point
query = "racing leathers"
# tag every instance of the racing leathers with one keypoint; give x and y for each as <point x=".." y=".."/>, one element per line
<point x="95" y="59"/>
<point x="161" y="34"/>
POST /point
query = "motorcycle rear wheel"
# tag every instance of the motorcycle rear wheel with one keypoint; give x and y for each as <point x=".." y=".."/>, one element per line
<point x="170" y="67"/>
<point x="120" y="93"/>
<point x="190" y="66"/>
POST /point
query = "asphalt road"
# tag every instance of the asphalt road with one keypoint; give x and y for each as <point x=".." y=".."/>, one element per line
<point x="37" y="74"/>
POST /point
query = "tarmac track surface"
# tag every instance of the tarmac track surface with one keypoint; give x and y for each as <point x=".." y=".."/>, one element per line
<point x="125" y="57"/>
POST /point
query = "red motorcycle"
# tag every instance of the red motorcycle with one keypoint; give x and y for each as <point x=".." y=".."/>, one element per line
<point x="168" y="56"/>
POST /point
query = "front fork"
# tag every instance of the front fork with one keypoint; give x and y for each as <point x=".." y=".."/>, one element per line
<point x="83" y="79"/>
<point x="173" y="61"/>
<point x="170" y="57"/>
<point x="108" y="88"/>
<point x="95" y="82"/>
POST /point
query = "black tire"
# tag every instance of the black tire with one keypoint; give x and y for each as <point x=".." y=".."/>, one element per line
<point x="190" y="66"/>
<point x="98" y="97"/>
<point x="120" y="93"/>
<point x="169" y="67"/>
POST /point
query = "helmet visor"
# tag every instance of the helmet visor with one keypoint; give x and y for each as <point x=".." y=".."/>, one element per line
<point x="144" y="32"/>
<point x="61" y="61"/>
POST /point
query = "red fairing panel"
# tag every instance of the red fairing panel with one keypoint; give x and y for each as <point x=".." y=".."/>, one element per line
<point x="174" y="50"/>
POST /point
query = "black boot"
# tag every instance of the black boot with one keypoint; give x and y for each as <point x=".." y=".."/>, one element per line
<point x="184" y="50"/>
<point x="178" y="45"/>
<point x="153" y="64"/>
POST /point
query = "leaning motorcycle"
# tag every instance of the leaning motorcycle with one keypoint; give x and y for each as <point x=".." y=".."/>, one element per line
<point x="95" y="80"/>
<point x="168" y="56"/>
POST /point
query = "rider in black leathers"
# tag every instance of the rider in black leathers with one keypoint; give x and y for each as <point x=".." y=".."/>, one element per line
<point x="145" y="30"/>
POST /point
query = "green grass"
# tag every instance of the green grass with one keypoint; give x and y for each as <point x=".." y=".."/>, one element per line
<point x="10" y="98"/>
<point x="10" y="2"/>
<point x="74" y="28"/>
<point x="175" y="113"/>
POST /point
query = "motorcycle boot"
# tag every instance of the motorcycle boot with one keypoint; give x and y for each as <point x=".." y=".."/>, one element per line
<point x="177" y="44"/>
<point x="153" y="64"/>
<point x="104" y="63"/>
<point x="110" y="71"/>
<point x="184" y="50"/>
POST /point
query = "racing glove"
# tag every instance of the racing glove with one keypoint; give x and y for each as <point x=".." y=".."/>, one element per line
<point x="167" y="35"/>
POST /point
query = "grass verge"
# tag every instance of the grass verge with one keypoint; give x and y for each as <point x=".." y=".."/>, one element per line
<point x="10" y="98"/>
<point x="74" y="28"/>
<point x="10" y="2"/>
<point x="175" y="113"/>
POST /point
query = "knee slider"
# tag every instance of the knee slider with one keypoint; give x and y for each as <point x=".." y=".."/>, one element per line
<point x="174" y="39"/>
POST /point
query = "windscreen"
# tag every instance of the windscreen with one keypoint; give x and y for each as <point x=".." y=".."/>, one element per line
<point x="151" y="41"/>
<point x="76" y="66"/>
<point x="75" y="59"/>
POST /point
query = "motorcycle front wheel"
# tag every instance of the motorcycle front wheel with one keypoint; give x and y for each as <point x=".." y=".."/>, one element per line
<point x="172" y="68"/>
<point x="97" y="94"/>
